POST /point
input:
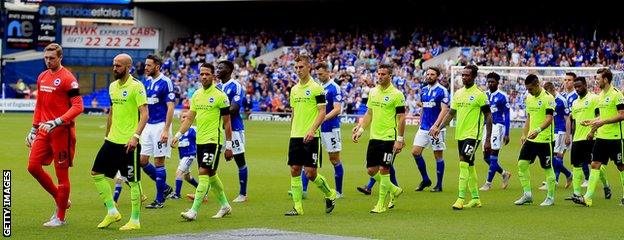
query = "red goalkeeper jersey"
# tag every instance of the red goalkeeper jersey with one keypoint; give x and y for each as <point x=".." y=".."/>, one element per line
<point x="58" y="96"/>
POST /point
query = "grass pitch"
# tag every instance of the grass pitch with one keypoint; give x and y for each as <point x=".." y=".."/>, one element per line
<point x="417" y="215"/>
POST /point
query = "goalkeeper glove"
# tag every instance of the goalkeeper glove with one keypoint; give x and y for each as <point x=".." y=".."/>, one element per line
<point x="31" y="136"/>
<point x="49" y="125"/>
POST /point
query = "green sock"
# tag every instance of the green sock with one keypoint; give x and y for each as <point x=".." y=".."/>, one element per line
<point x="217" y="189"/>
<point x="384" y="187"/>
<point x="464" y="174"/>
<point x="472" y="182"/>
<point x="550" y="182"/>
<point x="200" y="191"/>
<point x="376" y="176"/>
<point x="524" y="175"/>
<point x="105" y="192"/>
<point x="296" y="188"/>
<point x="622" y="179"/>
<point x="321" y="183"/>
<point x="594" y="175"/>
<point x="577" y="179"/>
<point x="603" y="176"/>
<point x="135" y="199"/>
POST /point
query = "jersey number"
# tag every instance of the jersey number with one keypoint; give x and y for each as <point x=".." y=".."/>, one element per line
<point x="468" y="150"/>
<point x="388" y="158"/>
<point x="208" y="158"/>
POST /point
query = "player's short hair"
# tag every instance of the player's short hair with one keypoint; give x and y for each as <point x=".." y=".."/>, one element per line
<point x="606" y="73"/>
<point x="209" y="66"/>
<point x="303" y="58"/>
<point x="530" y="79"/>
<point x="493" y="75"/>
<point x="157" y="60"/>
<point x="549" y="86"/>
<point x="227" y="63"/>
<point x="473" y="69"/>
<point x="321" y="65"/>
<point x="435" y="69"/>
<point x="581" y="79"/>
<point x="54" y="47"/>
<point x="386" y="66"/>
<point x="573" y="75"/>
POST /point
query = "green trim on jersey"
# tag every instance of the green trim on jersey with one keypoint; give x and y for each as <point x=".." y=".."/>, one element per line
<point x="383" y="103"/>
<point x="207" y="104"/>
<point x="607" y="103"/>
<point x="583" y="109"/>
<point x="125" y="100"/>
<point x="536" y="109"/>
<point x="303" y="100"/>
<point x="468" y="102"/>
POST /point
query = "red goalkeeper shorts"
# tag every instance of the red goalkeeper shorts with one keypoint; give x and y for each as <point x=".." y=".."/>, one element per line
<point x="58" y="145"/>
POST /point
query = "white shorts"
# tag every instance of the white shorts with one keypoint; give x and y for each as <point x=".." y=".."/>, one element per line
<point x="496" y="139"/>
<point x="238" y="142"/>
<point x="422" y="139"/>
<point x="332" y="141"/>
<point x="150" y="141"/>
<point x="560" y="146"/>
<point x="185" y="163"/>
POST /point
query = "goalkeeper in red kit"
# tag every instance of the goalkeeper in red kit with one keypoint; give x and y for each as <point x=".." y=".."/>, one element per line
<point x="53" y="134"/>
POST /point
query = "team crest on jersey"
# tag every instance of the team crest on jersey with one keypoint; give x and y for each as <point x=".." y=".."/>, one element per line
<point x="586" y="103"/>
<point x="471" y="98"/>
<point x="386" y="98"/>
<point x="607" y="99"/>
<point x="74" y="85"/>
<point x="57" y="82"/>
<point x="124" y="93"/>
<point x="338" y="97"/>
<point x="171" y="95"/>
<point x="211" y="100"/>
<point x="307" y="92"/>
<point x="539" y="103"/>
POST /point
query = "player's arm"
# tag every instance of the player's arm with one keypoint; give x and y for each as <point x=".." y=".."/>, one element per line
<point x="359" y="128"/>
<point x="143" y="116"/>
<point x="109" y="121"/>
<point x="164" y="136"/>
<point x="485" y="109"/>
<point x="525" y="129"/>
<point x="570" y="128"/>
<point x="444" y="108"/>
<point x="320" y="106"/>
<point x="617" y="118"/>
<point x="400" y="141"/>
<point x="547" y="122"/>
<point x="32" y="133"/>
<point x="334" y="112"/>
<point x="184" y="127"/>
<point x="435" y="130"/>
<point x="225" y="117"/>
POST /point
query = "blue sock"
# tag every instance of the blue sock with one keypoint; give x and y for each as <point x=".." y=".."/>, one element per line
<point x="193" y="182"/>
<point x="586" y="171"/>
<point x="150" y="170"/>
<point x="338" y="173"/>
<point x="178" y="186"/>
<point x="117" y="191"/>
<point x="393" y="176"/>
<point x="494" y="167"/>
<point x="563" y="169"/>
<point x="439" y="172"/>
<point x="371" y="183"/>
<point x="161" y="185"/>
<point x="422" y="167"/>
<point x="242" y="176"/>
<point x="304" y="180"/>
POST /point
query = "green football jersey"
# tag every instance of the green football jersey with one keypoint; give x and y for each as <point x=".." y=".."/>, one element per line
<point x="208" y="105"/>
<point x="536" y="108"/>
<point x="383" y="104"/>
<point x="125" y="100"/>
<point x="467" y="102"/>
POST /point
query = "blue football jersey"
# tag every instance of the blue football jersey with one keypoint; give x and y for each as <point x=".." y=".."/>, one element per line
<point x="186" y="145"/>
<point x="332" y="95"/>
<point x="499" y="106"/>
<point x="235" y="94"/>
<point x="159" y="93"/>
<point x="570" y="97"/>
<point x="561" y="111"/>
<point x="432" y="98"/>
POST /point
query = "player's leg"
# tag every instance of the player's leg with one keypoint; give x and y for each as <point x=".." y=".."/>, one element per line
<point x="527" y="155"/>
<point x="601" y="152"/>
<point x="334" y="157"/>
<point x="204" y="157"/>
<point x="472" y="178"/>
<point x="311" y="158"/>
<point x="545" y="155"/>
<point x="439" y="145"/>
<point x="557" y="163"/>
<point x="578" y="153"/>
<point x="148" y="144"/>
<point x="295" y="153"/>
<point x="333" y="146"/>
<point x="620" y="167"/>
<point x="132" y="173"/>
<point x="40" y="155"/>
<point x="118" y="187"/>
<point x="107" y="163"/>
<point x="238" y="141"/>
<point x="421" y="141"/>
<point x="63" y="145"/>
<point x="465" y="152"/>
<point x="216" y="186"/>
<point x="182" y="174"/>
<point x="374" y="155"/>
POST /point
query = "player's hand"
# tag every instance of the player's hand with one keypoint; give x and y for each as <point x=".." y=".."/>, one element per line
<point x="398" y="146"/>
<point x="434" y="131"/>
<point x="228" y="154"/>
<point x="487" y="145"/>
<point x="357" y="133"/>
<point x="308" y="137"/>
<point x="50" y="125"/>
<point x="590" y="136"/>
<point x="132" y="144"/>
<point x="567" y="139"/>
<point x="523" y="139"/>
<point x="586" y="123"/>
<point x="164" y="137"/>
<point x="176" y="139"/>
<point x="533" y="135"/>
<point x="30" y="138"/>
<point x="596" y="123"/>
<point x="506" y="140"/>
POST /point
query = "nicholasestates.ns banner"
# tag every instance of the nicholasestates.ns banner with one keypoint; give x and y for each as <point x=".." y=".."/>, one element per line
<point x="121" y="37"/>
